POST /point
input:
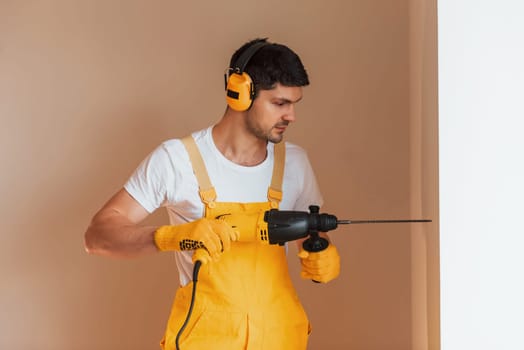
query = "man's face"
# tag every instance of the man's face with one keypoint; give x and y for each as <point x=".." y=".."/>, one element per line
<point x="272" y="111"/>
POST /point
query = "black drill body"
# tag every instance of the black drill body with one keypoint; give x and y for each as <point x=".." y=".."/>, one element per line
<point x="288" y="225"/>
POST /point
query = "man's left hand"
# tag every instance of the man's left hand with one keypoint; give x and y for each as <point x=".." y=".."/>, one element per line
<point x="322" y="266"/>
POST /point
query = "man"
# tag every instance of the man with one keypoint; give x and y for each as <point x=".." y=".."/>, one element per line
<point x="238" y="167"/>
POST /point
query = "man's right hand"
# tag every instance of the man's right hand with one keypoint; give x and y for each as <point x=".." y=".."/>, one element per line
<point x="214" y="236"/>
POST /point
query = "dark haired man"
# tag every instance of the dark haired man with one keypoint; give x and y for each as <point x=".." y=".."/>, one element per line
<point x="245" y="298"/>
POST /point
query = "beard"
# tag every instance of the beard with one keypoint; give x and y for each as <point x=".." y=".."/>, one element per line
<point x="263" y="134"/>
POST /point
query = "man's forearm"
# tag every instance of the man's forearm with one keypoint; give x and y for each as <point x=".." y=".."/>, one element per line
<point x="115" y="236"/>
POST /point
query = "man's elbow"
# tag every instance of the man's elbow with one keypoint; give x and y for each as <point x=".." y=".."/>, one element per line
<point x="95" y="238"/>
<point x="92" y="244"/>
<point x="88" y="243"/>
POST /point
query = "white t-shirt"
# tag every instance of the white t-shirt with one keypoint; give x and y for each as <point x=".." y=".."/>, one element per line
<point x="166" y="179"/>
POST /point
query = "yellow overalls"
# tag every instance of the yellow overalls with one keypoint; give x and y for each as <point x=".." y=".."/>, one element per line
<point x="246" y="299"/>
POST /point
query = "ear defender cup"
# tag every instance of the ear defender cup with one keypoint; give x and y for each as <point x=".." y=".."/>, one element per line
<point x="240" y="89"/>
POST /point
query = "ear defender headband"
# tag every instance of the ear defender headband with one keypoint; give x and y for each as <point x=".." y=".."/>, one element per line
<point x="240" y="90"/>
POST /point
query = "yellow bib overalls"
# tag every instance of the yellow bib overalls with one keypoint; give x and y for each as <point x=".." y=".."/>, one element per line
<point x="246" y="299"/>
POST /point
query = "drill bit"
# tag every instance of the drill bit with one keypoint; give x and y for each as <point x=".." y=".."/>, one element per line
<point x="347" y="222"/>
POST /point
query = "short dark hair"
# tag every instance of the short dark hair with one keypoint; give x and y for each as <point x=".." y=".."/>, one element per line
<point x="272" y="64"/>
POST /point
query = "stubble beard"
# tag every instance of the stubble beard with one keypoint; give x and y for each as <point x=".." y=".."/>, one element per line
<point x="262" y="134"/>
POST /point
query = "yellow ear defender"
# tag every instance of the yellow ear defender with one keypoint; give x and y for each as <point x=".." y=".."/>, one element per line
<point x="240" y="90"/>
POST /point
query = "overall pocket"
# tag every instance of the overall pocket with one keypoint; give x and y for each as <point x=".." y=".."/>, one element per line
<point x="221" y="329"/>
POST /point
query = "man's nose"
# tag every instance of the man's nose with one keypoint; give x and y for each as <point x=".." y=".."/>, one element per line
<point x="290" y="115"/>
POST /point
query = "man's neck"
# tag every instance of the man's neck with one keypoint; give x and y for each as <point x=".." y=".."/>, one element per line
<point x="236" y="144"/>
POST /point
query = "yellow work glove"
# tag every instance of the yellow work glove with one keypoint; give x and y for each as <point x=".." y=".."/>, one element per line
<point x="214" y="236"/>
<point x="322" y="266"/>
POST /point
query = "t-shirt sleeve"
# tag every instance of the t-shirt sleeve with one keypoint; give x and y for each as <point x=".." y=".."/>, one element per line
<point x="310" y="192"/>
<point x="147" y="184"/>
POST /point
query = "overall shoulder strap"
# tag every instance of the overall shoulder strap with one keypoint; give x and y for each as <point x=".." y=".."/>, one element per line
<point x="274" y="193"/>
<point x="205" y="188"/>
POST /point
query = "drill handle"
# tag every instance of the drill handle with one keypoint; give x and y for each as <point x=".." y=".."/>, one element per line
<point x="315" y="243"/>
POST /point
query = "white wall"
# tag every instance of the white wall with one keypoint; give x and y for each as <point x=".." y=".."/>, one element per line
<point x="481" y="102"/>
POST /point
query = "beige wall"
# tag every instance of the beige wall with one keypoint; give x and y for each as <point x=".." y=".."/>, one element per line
<point x="88" y="88"/>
